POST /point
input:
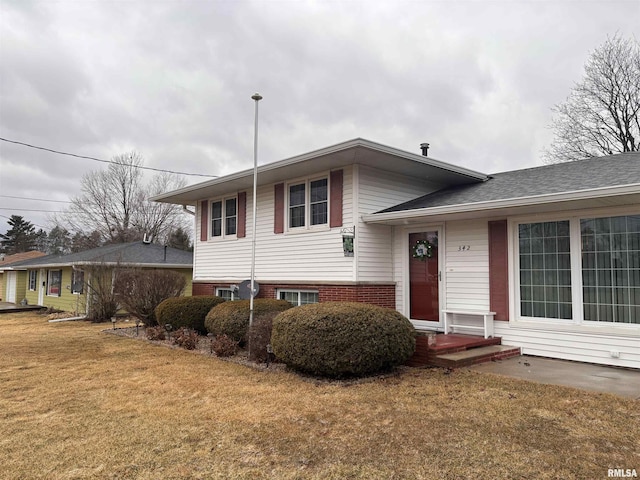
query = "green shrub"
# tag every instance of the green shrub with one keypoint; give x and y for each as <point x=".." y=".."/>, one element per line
<point x="187" y="312"/>
<point x="342" y="339"/>
<point x="232" y="318"/>
<point x="186" y="338"/>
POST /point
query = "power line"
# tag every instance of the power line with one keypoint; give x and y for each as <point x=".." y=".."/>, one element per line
<point x="30" y="210"/>
<point x="34" y="224"/>
<point x="104" y="161"/>
<point x="38" y="199"/>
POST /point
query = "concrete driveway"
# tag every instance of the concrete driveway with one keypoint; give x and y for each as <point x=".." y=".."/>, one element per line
<point x="597" y="378"/>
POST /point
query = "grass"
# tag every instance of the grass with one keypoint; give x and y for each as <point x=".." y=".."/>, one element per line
<point x="76" y="403"/>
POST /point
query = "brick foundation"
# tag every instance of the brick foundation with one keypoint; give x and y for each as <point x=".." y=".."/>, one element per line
<point x="381" y="295"/>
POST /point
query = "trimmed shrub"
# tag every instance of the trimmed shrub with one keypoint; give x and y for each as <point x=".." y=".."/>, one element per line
<point x="224" y="346"/>
<point x="187" y="312"/>
<point x="186" y="338"/>
<point x="155" y="333"/>
<point x="342" y="339"/>
<point x="232" y="318"/>
<point x="260" y="337"/>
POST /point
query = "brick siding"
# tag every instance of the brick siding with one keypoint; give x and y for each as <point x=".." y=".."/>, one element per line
<point x="381" y="295"/>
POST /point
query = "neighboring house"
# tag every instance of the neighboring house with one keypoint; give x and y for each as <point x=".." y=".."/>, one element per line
<point x="13" y="284"/>
<point x="59" y="281"/>
<point x="548" y="257"/>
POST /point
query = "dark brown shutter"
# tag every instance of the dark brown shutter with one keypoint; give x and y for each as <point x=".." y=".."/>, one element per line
<point x="242" y="215"/>
<point x="498" y="269"/>
<point x="335" y="202"/>
<point x="278" y="212"/>
<point x="204" y="220"/>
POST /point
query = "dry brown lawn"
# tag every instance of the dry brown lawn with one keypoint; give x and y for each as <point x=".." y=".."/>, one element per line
<point x="76" y="403"/>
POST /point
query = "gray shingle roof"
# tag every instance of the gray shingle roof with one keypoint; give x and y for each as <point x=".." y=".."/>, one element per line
<point x="609" y="171"/>
<point x="138" y="253"/>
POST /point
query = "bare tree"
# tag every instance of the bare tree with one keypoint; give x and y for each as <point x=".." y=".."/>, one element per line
<point x="103" y="303"/>
<point x="140" y="291"/>
<point x="601" y="115"/>
<point x="115" y="202"/>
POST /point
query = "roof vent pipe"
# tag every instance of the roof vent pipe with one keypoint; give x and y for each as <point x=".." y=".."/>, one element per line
<point x="425" y="148"/>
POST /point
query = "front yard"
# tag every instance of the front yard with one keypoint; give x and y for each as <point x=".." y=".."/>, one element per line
<point x="77" y="403"/>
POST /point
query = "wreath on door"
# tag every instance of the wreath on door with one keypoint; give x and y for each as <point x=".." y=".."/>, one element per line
<point x="422" y="250"/>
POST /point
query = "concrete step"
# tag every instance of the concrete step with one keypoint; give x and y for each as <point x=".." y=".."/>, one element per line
<point x="473" y="356"/>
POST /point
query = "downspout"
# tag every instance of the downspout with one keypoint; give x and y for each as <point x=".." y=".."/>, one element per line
<point x="185" y="209"/>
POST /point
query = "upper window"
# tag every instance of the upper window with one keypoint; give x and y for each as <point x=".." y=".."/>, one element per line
<point x="77" y="282"/>
<point x="54" y="283"/>
<point x="224" y="217"/>
<point x="309" y="203"/>
<point x="33" y="280"/>
<point x="611" y="268"/>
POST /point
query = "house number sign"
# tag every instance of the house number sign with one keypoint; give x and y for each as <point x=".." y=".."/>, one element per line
<point x="464" y="248"/>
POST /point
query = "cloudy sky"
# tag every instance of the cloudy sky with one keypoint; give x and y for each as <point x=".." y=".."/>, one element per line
<point x="173" y="80"/>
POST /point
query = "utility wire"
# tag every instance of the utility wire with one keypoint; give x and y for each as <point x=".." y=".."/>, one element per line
<point x="38" y="199"/>
<point x="104" y="161"/>
<point x="30" y="210"/>
<point x="34" y="224"/>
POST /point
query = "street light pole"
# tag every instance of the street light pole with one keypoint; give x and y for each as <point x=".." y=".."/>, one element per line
<point x="256" y="97"/>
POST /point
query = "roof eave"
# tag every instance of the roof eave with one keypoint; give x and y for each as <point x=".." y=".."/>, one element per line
<point x="399" y="216"/>
<point x="186" y="195"/>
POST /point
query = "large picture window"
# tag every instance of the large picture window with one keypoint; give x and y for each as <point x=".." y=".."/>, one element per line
<point x="309" y="203"/>
<point x="545" y="270"/>
<point x="602" y="269"/>
<point x="54" y="283"/>
<point x="611" y="269"/>
<point x="224" y="217"/>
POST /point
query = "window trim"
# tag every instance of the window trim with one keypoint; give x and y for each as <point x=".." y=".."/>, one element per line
<point x="298" y="291"/>
<point x="227" y="289"/>
<point x="75" y="272"/>
<point x="223" y="219"/>
<point x="574" y="218"/>
<point x="50" y="283"/>
<point x="33" y="273"/>
<point x="307" y="181"/>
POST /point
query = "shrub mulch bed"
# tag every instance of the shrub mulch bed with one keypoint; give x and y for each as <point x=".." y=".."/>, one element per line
<point x="204" y="348"/>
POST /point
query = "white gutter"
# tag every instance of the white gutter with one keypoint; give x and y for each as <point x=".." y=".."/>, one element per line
<point x="106" y="264"/>
<point x="630" y="189"/>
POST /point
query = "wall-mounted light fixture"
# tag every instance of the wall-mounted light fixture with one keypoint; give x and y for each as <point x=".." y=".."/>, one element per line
<point x="348" y="237"/>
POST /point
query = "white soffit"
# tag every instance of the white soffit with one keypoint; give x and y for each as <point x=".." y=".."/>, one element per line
<point x="358" y="151"/>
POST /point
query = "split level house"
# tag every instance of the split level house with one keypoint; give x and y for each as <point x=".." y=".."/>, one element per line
<point x="547" y="258"/>
<point x="60" y="281"/>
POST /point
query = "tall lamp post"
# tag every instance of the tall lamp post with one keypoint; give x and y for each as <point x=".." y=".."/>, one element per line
<point x="256" y="97"/>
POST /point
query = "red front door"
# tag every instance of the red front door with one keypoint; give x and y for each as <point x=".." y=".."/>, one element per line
<point x="423" y="276"/>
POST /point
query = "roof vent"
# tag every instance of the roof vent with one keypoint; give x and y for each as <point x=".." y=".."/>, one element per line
<point x="425" y="148"/>
<point x="146" y="240"/>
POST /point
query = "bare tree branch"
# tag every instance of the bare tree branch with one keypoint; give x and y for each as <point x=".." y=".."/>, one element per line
<point x="600" y="116"/>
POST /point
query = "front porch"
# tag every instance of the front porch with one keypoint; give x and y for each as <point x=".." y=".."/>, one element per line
<point x="457" y="350"/>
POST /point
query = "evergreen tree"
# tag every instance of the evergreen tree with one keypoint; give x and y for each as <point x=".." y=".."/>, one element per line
<point x="21" y="237"/>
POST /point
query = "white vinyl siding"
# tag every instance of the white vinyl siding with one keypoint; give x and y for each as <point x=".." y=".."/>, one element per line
<point x="305" y="255"/>
<point x="467" y="265"/>
<point x="584" y="345"/>
<point x="377" y="190"/>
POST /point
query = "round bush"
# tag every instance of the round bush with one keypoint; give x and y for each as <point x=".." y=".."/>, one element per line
<point x="342" y="339"/>
<point x="188" y="312"/>
<point x="232" y="318"/>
